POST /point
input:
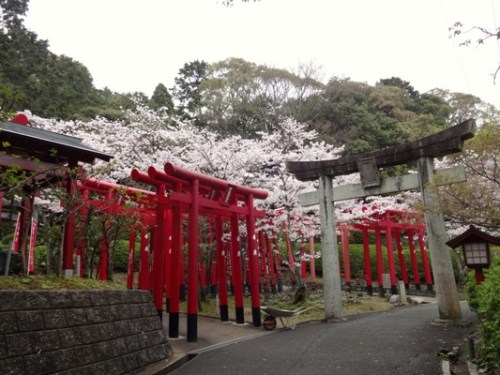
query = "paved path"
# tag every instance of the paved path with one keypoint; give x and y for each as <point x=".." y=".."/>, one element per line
<point x="398" y="341"/>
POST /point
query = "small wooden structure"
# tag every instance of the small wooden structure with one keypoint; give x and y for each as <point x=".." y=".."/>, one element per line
<point x="47" y="158"/>
<point x="476" y="249"/>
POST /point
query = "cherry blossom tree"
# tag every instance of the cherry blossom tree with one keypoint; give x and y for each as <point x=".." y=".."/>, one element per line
<point x="148" y="138"/>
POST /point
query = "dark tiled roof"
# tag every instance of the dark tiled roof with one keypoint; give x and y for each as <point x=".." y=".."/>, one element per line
<point x="472" y="234"/>
<point x="42" y="143"/>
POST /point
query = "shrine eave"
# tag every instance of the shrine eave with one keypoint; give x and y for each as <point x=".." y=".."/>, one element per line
<point x="46" y="145"/>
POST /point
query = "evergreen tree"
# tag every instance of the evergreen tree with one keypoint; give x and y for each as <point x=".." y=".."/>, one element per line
<point x="187" y="90"/>
<point x="161" y="98"/>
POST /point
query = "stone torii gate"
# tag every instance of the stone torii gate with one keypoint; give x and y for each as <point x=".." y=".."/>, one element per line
<point x="422" y="151"/>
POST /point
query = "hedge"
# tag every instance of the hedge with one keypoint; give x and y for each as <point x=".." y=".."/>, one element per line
<point x="485" y="300"/>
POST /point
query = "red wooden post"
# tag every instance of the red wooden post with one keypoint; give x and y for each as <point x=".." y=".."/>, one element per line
<point x="213" y="258"/>
<point x="479" y="274"/>
<point x="291" y="261"/>
<point x="277" y="261"/>
<point x="151" y="275"/>
<point x="254" y="262"/>
<point x="402" y="263"/>
<point x="413" y="259"/>
<point x="264" y="269"/>
<point x="270" y="257"/>
<point x="312" y="264"/>
<point x="368" y="264"/>
<point x="31" y="252"/>
<point x="182" y="273"/>
<point x="81" y="226"/>
<point x="221" y="271"/>
<point x="203" y="259"/>
<point x="380" y="262"/>
<point x="390" y="255"/>
<point x="131" y="256"/>
<point x="237" y="271"/>
<point x="167" y="238"/>
<point x="246" y="267"/>
<point x="144" y="259"/>
<point x="69" y="228"/>
<point x="159" y="241"/>
<point x="193" y="261"/>
<point x="425" y="260"/>
<point x="344" y="239"/>
<point x="303" y="264"/>
<point x="103" y="265"/>
<point x="174" y="303"/>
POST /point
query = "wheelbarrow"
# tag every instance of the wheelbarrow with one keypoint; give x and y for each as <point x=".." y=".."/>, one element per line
<point x="284" y="316"/>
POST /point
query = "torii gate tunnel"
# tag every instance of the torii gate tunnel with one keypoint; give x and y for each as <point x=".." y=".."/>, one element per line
<point x="393" y="224"/>
<point x="110" y="203"/>
<point x="180" y="191"/>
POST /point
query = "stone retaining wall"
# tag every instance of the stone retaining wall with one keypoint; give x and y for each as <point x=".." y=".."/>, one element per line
<point x="79" y="332"/>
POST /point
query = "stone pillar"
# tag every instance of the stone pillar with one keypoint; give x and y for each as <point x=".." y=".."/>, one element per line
<point x="442" y="269"/>
<point x="330" y="255"/>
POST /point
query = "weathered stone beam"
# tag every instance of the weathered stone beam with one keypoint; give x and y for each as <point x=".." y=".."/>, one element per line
<point x="446" y="142"/>
<point x="388" y="186"/>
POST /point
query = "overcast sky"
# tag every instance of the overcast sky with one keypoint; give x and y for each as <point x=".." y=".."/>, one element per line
<point x="132" y="45"/>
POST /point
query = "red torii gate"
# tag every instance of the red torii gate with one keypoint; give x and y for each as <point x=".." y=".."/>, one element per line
<point x="306" y="219"/>
<point x="110" y="204"/>
<point x="392" y="223"/>
<point x="198" y="194"/>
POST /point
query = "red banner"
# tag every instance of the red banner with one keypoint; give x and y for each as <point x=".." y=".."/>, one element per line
<point x="31" y="257"/>
<point x="15" y="241"/>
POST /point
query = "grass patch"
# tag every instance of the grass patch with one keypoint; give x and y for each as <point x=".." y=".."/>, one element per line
<point x="353" y="303"/>
<point x="53" y="282"/>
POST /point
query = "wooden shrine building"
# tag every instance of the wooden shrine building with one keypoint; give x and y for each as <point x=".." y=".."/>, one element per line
<point x="42" y="158"/>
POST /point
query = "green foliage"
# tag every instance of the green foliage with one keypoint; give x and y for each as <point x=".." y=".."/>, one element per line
<point x="161" y="99"/>
<point x="40" y="258"/>
<point x="485" y="300"/>
<point x="33" y="77"/>
<point x="398" y="82"/>
<point x="12" y="12"/>
<point x="365" y="118"/>
<point x="120" y="256"/>
<point x="9" y="100"/>
<point x="244" y="98"/>
<point x="187" y="90"/>
<point x="7" y="240"/>
<point x="43" y="264"/>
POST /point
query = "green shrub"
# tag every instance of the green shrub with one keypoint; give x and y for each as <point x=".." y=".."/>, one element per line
<point x="485" y="299"/>
<point x="120" y="256"/>
<point x="7" y="241"/>
<point x="40" y="258"/>
<point x="357" y="265"/>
